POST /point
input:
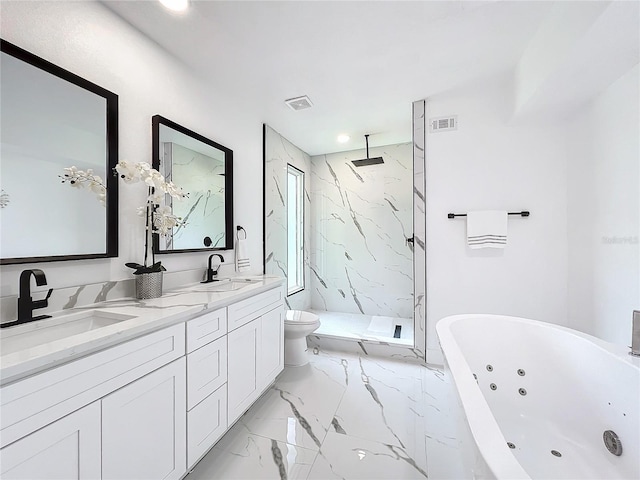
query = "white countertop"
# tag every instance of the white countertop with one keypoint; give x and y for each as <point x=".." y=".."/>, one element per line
<point x="173" y="307"/>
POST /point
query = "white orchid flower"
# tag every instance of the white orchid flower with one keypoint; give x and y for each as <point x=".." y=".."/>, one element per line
<point x="128" y="172"/>
<point x="80" y="179"/>
<point x="155" y="198"/>
<point x="174" y="191"/>
<point x="96" y="186"/>
<point x="156" y="180"/>
<point x="164" y="220"/>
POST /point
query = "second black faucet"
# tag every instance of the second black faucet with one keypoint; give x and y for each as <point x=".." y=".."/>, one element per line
<point x="211" y="273"/>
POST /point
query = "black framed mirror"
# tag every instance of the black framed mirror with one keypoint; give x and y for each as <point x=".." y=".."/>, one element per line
<point x="203" y="169"/>
<point x="53" y="119"/>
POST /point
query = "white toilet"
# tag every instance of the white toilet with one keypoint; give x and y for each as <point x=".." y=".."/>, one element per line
<point x="297" y="325"/>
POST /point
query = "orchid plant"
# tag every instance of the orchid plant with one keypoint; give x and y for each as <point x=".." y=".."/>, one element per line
<point x="158" y="219"/>
<point x="81" y="179"/>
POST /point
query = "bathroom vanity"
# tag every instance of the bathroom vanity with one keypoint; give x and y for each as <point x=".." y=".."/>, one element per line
<point x="146" y="389"/>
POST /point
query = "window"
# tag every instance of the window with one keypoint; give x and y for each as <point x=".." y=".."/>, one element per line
<point x="295" y="230"/>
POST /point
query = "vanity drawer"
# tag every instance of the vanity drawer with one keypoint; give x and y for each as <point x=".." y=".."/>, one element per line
<point x="206" y="371"/>
<point x="251" y="308"/>
<point x="206" y="423"/>
<point x="206" y="328"/>
<point x="38" y="400"/>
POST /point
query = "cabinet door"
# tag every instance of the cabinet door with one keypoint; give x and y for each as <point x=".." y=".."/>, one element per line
<point x="206" y="371"/>
<point x="272" y="346"/>
<point x="244" y="311"/>
<point x="67" y="448"/>
<point x="206" y="423"/>
<point x="243" y="346"/>
<point x="144" y="427"/>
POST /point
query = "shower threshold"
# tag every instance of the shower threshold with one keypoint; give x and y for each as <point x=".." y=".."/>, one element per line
<point x="371" y="328"/>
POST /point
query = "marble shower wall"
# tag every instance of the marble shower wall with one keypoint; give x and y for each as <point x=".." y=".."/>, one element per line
<point x="203" y="178"/>
<point x="362" y="217"/>
<point x="278" y="152"/>
<point x="419" y="226"/>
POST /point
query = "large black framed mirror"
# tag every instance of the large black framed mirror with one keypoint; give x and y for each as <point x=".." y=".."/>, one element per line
<point x="203" y="169"/>
<point x="53" y="119"/>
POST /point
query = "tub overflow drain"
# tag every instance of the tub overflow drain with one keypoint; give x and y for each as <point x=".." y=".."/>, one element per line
<point x="511" y="445"/>
<point x="612" y="442"/>
<point x="556" y="453"/>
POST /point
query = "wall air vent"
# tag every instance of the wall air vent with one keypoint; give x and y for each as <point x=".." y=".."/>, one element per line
<point x="299" y="103"/>
<point x="442" y="124"/>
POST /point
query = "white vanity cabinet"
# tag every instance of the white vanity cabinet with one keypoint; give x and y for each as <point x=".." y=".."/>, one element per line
<point x="90" y="418"/>
<point x="255" y="349"/>
<point x="67" y="448"/>
<point x="244" y="352"/>
<point x="144" y="427"/>
<point x="149" y="407"/>
<point x="271" y="359"/>
<point x="206" y="383"/>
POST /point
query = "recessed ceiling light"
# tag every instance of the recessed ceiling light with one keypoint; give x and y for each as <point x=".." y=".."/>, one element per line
<point x="343" y="138"/>
<point x="175" y="5"/>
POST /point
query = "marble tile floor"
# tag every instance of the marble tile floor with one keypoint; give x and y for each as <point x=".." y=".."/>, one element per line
<point x="343" y="416"/>
<point x="364" y="327"/>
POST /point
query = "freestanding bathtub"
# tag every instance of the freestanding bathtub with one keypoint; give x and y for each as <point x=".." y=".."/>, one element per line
<point x="536" y="400"/>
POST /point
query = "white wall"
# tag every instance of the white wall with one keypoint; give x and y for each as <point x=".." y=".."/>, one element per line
<point x="603" y="155"/>
<point x="89" y="40"/>
<point x="576" y="260"/>
<point x="490" y="164"/>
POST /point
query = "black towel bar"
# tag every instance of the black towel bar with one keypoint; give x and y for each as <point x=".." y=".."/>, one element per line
<point x="524" y="213"/>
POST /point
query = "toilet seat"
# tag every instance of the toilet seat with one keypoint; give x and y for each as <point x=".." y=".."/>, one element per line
<point x="298" y="317"/>
<point x="297" y="325"/>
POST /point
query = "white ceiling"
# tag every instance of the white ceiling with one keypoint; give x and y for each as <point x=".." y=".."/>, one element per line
<point x="362" y="63"/>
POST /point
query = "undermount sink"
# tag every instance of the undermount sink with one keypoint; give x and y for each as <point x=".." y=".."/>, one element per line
<point x="224" y="285"/>
<point x="29" y="335"/>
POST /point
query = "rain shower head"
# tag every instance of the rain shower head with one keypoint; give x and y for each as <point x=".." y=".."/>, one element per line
<point x="367" y="161"/>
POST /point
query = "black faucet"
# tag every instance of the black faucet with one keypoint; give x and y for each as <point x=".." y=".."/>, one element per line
<point x="211" y="273"/>
<point x="26" y="305"/>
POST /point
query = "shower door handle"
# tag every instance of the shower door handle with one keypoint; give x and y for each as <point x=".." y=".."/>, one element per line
<point x="410" y="241"/>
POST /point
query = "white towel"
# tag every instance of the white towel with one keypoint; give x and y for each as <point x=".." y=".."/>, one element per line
<point x="487" y="229"/>
<point x="242" y="258"/>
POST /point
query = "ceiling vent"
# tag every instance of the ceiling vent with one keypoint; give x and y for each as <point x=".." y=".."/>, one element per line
<point x="299" y="103"/>
<point x="442" y="124"/>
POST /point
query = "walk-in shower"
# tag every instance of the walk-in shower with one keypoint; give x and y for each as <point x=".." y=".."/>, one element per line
<point x="358" y="221"/>
<point x="360" y="258"/>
